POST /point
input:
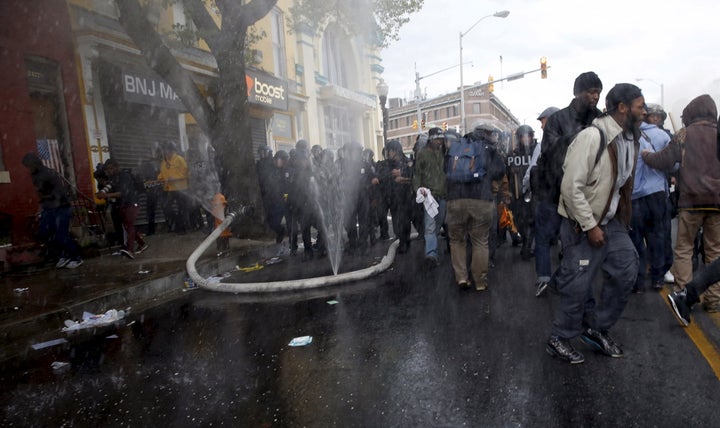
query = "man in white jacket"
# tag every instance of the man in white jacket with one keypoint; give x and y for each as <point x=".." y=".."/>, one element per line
<point x="596" y="208"/>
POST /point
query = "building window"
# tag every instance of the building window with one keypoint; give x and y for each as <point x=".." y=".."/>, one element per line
<point x="476" y="108"/>
<point x="339" y="127"/>
<point x="278" y="42"/>
<point x="435" y="115"/>
<point x="407" y="120"/>
<point x="338" y="65"/>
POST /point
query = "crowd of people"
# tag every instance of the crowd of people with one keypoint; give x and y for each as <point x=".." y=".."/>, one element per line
<point x="601" y="185"/>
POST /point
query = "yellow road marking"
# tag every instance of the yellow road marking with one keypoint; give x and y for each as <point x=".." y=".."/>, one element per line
<point x="706" y="348"/>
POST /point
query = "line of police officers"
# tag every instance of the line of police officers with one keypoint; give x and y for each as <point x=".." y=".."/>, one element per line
<point x="309" y="188"/>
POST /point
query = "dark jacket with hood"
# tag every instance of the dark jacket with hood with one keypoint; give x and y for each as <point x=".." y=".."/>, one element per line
<point x="695" y="148"/>
<point x="560" y="129"/>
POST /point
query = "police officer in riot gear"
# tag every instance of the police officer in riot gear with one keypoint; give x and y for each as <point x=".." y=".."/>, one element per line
<point x="396" y="177"/>
<point x="517" y="164"/>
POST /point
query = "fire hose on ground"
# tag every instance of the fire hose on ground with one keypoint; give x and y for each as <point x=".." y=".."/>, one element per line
<point x="275" y="286"/>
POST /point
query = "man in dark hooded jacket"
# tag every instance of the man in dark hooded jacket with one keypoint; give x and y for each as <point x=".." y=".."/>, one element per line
<point x="560" y="128"/>
<point x="698" y="182"/>
<point x="55" y="214"/>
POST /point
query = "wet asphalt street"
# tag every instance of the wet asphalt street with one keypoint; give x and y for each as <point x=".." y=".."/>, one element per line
<point x="404" y="349"/>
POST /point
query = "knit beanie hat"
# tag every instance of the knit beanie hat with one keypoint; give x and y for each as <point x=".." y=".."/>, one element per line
<point x="585" y="81"/>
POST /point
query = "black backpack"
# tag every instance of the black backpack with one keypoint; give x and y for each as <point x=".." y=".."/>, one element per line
<point x="546" y="177"/>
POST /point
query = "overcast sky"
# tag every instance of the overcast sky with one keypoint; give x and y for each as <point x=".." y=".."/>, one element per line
<point x="671" y="43"/>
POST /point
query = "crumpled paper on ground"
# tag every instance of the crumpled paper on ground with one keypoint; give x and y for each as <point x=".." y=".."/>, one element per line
<point x="92" y="320"/>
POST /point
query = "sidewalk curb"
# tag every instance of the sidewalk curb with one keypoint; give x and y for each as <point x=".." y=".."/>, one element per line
<point x="16" y="337"/>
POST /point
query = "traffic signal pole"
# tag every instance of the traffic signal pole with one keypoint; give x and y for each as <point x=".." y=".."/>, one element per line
<point x="418" y="92"/>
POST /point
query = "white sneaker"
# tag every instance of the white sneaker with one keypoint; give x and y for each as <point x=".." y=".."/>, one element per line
<point x="73" y="264"/>
<point x="669" y="278"/>
<point x="62" y="262"/>
<point x="127" y="254"/>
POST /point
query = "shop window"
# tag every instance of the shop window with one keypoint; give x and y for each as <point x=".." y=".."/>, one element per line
<point x="278" y="43"/>
<point x="282" y="127"/>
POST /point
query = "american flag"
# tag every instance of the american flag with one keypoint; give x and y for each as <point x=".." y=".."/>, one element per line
<point x="49" y="153"/>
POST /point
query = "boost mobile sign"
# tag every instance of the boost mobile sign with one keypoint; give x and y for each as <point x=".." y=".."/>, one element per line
<point x="266" y="90"/>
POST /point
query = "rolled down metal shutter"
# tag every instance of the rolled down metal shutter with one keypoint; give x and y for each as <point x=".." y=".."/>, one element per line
<point x="258" y="134"/>
<point x="133" y="131"/>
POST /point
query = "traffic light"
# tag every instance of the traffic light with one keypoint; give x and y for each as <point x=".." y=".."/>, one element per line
<point x="444" y="127"/>
<point x="543" y="68"/>
<point x="491" y="85"/>
<point x="415" y="124"/>
<point x="423" y="124"/>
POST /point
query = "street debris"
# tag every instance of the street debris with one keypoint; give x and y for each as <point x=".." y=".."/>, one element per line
<point x="251" y="268"/>
<point x="332" y="302"/>
<point x="92" y="320"/>
<point x="218" y="277"/>
<point x="21" y="290"/>
<point x="113" y="336"/>
<point x="59" y="365"/>
<point x="272" y="261"/>
<point x="189" y="284"/>
<point x="301" y="341"/>
<point x="48" y="344"/>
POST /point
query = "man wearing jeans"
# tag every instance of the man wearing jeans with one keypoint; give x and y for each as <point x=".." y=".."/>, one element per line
<point x="430" y="185"/>
<point x="55" y="214"/>
<point x="123" y="189"/>
<point x="559" y="129"/>
<point x="596" y="207"/>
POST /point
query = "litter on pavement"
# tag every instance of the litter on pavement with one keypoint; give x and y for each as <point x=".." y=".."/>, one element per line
<point x="301" y="341"/>
<point x="332" y="302"/>
<point x="92" y="320"/>
<point x="21" y="290"/>
<point x="251" y="268"/>
<point x="189" y="283"/>
<point x="59" y="365"/>
<point x="48" y="344"/>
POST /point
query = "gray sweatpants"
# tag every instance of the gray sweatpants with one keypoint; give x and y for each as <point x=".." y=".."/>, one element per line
<point x="575" y="305"/>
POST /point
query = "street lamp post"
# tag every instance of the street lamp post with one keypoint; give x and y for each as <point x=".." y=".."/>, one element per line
<point x="382" y="90"/>
<point x="662" y="89"/>
<point x="500" y="14"/>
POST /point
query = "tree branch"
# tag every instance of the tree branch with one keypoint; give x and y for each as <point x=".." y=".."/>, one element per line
<point x="134" y="20"/>
<point x="245" y="14"/>
<point x="203" y="21"/>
